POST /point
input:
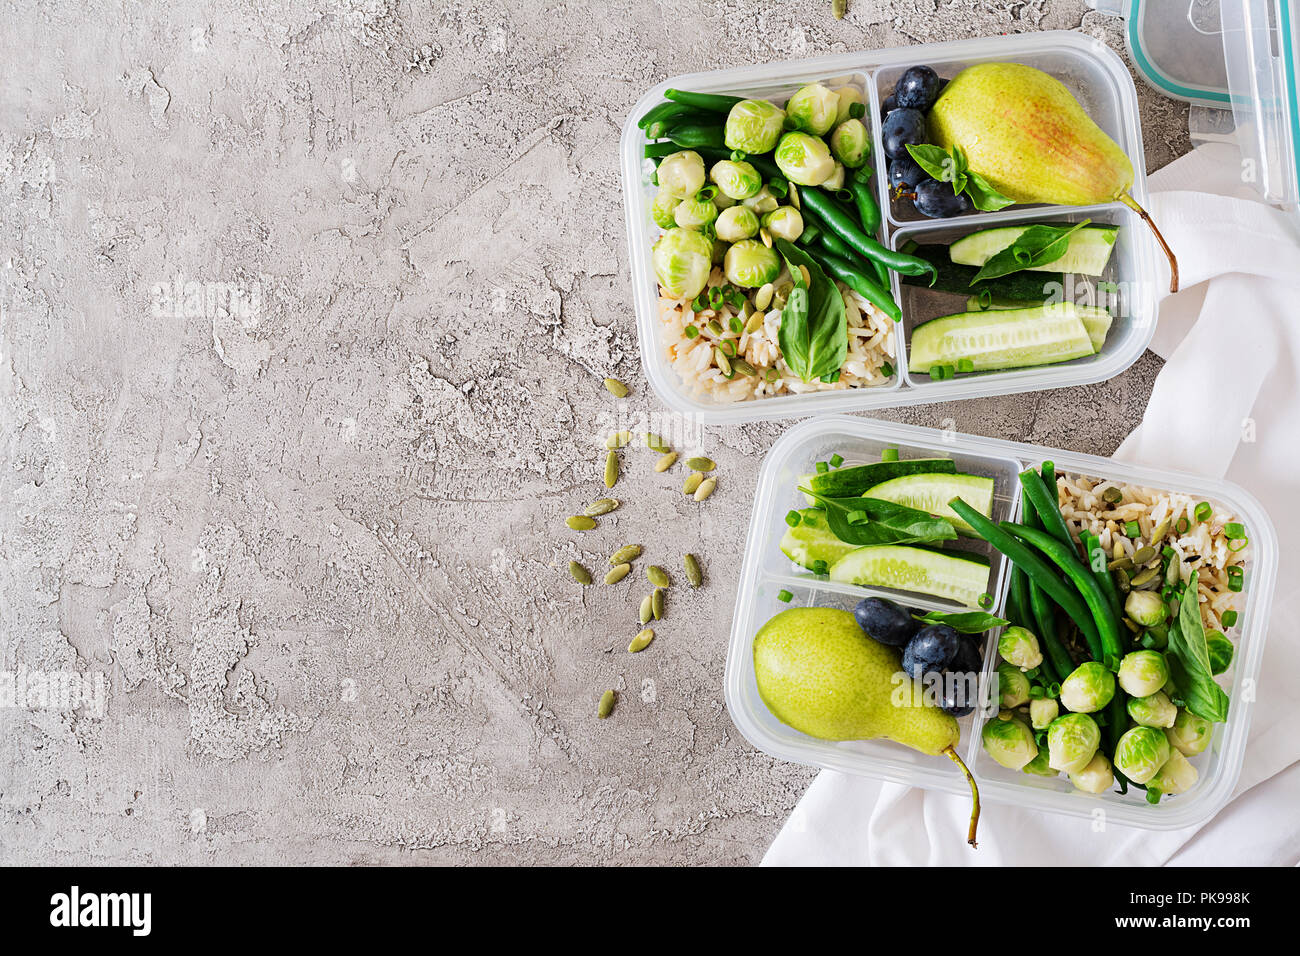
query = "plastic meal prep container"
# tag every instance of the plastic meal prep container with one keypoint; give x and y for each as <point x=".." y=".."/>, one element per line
<point x="1092" y="72"/>
<point x="766" y="571"/>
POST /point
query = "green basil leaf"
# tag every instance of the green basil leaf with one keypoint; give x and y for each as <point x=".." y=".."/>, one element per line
<point x="814" y="336"/>
<point x="964" y="622"/>
<point x="984" y="197"/>
<point x="1190" y="660"/>
<point x="863" y="521"/>
<point x="1039" y="245"/>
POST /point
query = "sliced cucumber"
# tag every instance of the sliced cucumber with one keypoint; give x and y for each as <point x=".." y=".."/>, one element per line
<point x="850" y="482"/>
<point x="1094" y="318"/>
<point x="997" y="339"/>
<point x="902" y="567"/>
<point x="812" y="541"/>
<point x="933" y="492"/>
<point x="1087" y="250"/>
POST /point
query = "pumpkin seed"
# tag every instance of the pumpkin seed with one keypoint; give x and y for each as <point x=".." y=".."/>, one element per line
<point x="666" y="462"/>
<point x="700" y="463"/>
<point x="766" y="237"/>
<point x="641" y="641"/>
<point x="1147" y="577"/>
<point x="617" y="439"/>
<point x="629" y="552"/>
<point x="771" y="375"/>
<point x="693" y="570"/>
<point x="839" y="8"/>
<point x="1143" y="554"/>
<point x="611" y="469"/>
<point x="601" y="506"/>
<point x="616" y="388"/>
<point x="793" y="195"/>
<point x="657" y="576"/>
<point x="657" y="603"/>
<point x="720" y="359"/>
<point x="715" y="328"/>
<point x="606" y="705"/>
<point x="580" y="522"/>
<point x="1112" y="495"/>
<point x="617" y="573"/>
<point x="743" y="367"/>
<point x="755" y="323"/>
<point x="784" y="289"/>
<point x="1159" y="532"/>
<point x="705" y="489"/>
<point x="580" y="574"/>
<point x="647" y="609"/>
<point x="656" y="443"/>
<point x="763" y="297"/>
<point x="1120" y="564"/>
<point x="807" y="276"/>
<point x="692" y="482"/>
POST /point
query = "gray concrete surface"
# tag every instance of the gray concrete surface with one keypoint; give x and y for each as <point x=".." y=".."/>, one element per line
<point x="313" y="545"/>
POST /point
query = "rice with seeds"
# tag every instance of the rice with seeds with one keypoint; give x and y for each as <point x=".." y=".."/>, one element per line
<point x="870" y="347"/>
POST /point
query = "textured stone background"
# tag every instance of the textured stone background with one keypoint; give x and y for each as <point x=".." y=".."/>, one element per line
<point x="315" y="549"/>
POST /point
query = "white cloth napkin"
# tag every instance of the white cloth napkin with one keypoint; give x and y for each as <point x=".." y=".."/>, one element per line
<point x="1232" y="350"/>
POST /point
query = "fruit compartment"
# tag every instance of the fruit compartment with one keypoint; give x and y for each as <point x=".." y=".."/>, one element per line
<point x="766" y="572"/>
<point x="1088" y="70"/>
<point x="1092" y="72"/>
<point x="1130" y="299"/>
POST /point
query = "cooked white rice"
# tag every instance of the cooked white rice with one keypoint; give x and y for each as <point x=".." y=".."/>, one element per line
<point x="870" y="347"/>
<point x="1202" y="548"/>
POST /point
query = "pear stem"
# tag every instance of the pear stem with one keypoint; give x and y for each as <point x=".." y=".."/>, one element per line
<point x="974" y="792"/>
<point x="1129" y="201"/>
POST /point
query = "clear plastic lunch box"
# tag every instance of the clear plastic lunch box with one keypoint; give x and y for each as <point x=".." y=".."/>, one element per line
<point x="1092" y="72"/>
<point x="766" y="572"/>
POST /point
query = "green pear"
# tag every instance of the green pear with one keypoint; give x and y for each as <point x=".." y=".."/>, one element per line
<point x="1025" y="133"/>
<point x="818" y="672"/>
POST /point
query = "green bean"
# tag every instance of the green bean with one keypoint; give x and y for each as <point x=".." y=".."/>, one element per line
<point x="811" y="233"/>
<point x="1036" y="569"/>
<point x="692" y="135"/>
<point x="713" y="102"/>
<point x="858" y="281"/>
<point x="1045" y="504"/>
<point x="838" y="247"/>
<point x="1064" y="558"/>
<point x="839" y="223"/>
<point x="1018" y="597"/>
<point x="1098" y="563"/>
<point x="661" y="111"/>
<point x="1043" y="614"/>
<point x="1116" y="722"/>
<point x="660" y="150"/>
<point x="868" y="210"/>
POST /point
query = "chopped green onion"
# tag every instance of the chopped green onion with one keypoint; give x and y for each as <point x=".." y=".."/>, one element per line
<point x="1234" y="530"/>
<point x="857" y="517"/>
<point x="771" y="375"/>
<point x="887" y="370"/>
<point x="1183" y="525"/>
<point x="889" y="454"/>
<point x="778" y="188"/>
<point x="738" y="156"/>
<point x="936" y="372"/>
<point x="1132" y="529"/>
<point x="691" y="331"/>
<point x="1237" y="544"/>
<point x="837" y="460"/>
<point x="1036" y="693"/>
<point x="784" y="596"/>
<point x="819" y="567"/>
<point x="793" y="519"/>
<point x="1229" y="618"/>
<point x="965" y="365"/>
<point x="699" y="303"/>
<point x="1031" y="673"/>
<point x="728" y="347"/>
<point x="822" y="467"/>
<point x="986" y="600"/>
<point x="1168" y="552"/>
<point x="1203" y="511"/>
<point x="737" y="326"/>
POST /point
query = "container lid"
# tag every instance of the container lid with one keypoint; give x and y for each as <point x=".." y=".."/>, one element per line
<point x="1240" y="56"/>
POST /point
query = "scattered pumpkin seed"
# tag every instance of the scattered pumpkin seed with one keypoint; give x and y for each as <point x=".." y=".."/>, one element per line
<point x="793" y="194"/>
<point x="656" y="443"/>
<point x="641" y="641"/>
<point x="743" y="367"/>
<point x="629" y="552"/>
<point x="766" y="237"/>
<point x="1144" y="554"/>
<point x="1159" y="532"/>
<point x="601" y="506"/>
<point x="611" y="469"/>
<point x="580" y="522"/>
<point x="839" y="8"/>
<point x="1112" y="495"/>
<point x="616" y="388"/>
<point x="771" y="375"/>
<point x="784" y="289"/>
<point x="606" y="705"/>
<point x="617" y="439"/>
<point x="693" y="574"/>
<point x="580" y="574"/>
<point x="692" y="482"/>
<point x="657" y="576"/>
<point x="755" y="322"/>
<point x="617" y="573"/>
<point x="700" y="463"/>
<point x="724" y="363"/>
<point x="1146" y="578"/>
<point x="763" y="297"/>
<point x="705" y="489"/>
<point x="666" y="462"/>
<point x="715" y="327"/>
<point x="1120" y="564"/>
<point x="647" y="609"/>
<point x="657" y="603"/>
<point x="807" y="276"/>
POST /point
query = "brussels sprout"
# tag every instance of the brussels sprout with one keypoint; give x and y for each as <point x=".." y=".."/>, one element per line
<point x="762" y="202"/>
<point x="1009" y="742"/>
<point x="848" y="96"/>
<point x="1141" y="752"/>
<point x="1221" y="651"/>
<point x="1088" y="689"/>
<point x="1145" y="607"/>
<point x="723" y="201"/>
<point x="784" y="223"/>
<point x="1072" y="739"/>
<point x="750" y="264"/>
<point x="1039" y="765"/>
<point x="1013" y="685"/>
<point x="738" y="180"/>
<point x="1042" y="712"/>
<point x="804" y="159"/>
<point x="1095" y="777"/>
<point x="661" y="211"/>
<point x="754" y="126"/>
<point x="1190" y="734"/>
<point x="736" y="223"/>
<point x="1176" y="776"/>
<point x="1155" y="710"/>
<point x="813" y="109"/>
<point x="836" y="179"/>
<point x="683" y="259"/>
<point x="695" y="213"/>
<point x="1019" y="646"/>
<point x="1142" y="673"/>
<point x="850" y="143"/>
<point x="682" y="174"/>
